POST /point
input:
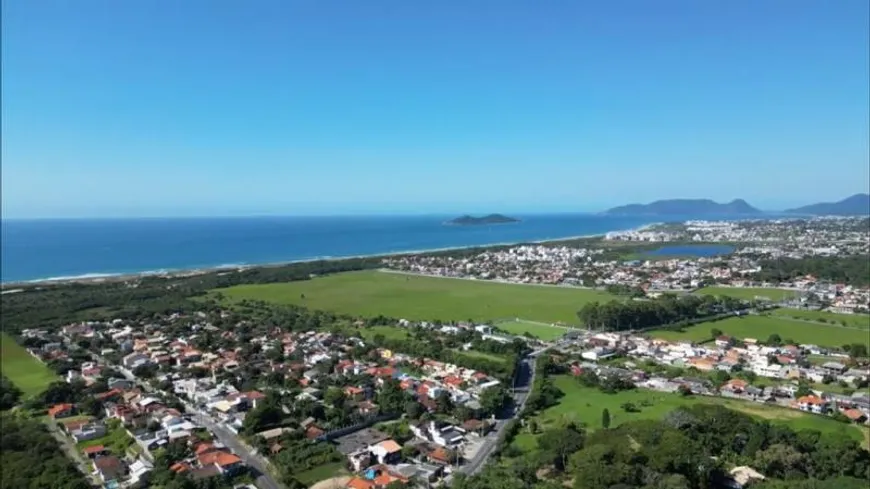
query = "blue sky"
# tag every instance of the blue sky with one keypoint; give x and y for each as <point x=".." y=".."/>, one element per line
<point x="214" y="107"/>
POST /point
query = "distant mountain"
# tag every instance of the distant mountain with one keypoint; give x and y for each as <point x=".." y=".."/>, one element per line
<point x="685" y="207"/>
<point x="856" y="205"/>
<point x="467" y="220"/>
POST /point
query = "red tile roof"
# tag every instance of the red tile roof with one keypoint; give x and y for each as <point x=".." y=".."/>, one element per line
<point x="59" y="408"/>
<point x="93" y="449"/>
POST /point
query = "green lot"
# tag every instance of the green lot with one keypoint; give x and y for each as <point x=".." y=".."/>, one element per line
<point x="541" y="331"/>
<point x="321" y="472"/>
<point x="749" y="293"/>
<point x="585" y="404"/>
<point x="850" y="320"/>
<point x="27" y="373"/>
<point x="388" y="332"/>
<point x="761" y="327"/>
<point x="373" y="293"/>
<point x="116" y="439"/>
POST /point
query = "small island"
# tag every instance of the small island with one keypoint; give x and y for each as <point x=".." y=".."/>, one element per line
<point x="467" y="220"/>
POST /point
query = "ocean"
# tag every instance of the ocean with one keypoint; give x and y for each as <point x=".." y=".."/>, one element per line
<point x="55" y="249"/>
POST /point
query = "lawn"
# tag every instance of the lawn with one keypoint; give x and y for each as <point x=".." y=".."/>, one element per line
<point x="481" y="354"/>
<point x="761" y="327"/>
<point x="116" y="439"/>
<point x="27" y="373"/>
<point x="388" y="332"/>
<point x="585" y="404"/>
<point x="373" y="293"/>
<point x="749" y="293"/>
<point x="321" y="472"/>
<point x="850" y="320"/>
<point x="541" y="331"/>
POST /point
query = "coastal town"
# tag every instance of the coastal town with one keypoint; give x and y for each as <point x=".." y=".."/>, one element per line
<point x="738" y="264"/>
<point x="256" y="395"/>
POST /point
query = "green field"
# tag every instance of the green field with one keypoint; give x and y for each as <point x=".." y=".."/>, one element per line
<point x="481" y="354"/>
<point x="388" y="332"/>
<point x="373" y="293"/>
<point x="27" y="373"/>
<point x="321" y="472"/>
<point x="761" y="327"/>
<point x="749" y="293"/>
<point x="541" y="331"/>
<point x="585" y="404"/>
<point x="850" y="320"/>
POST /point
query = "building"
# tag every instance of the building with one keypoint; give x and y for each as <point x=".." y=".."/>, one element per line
<point x="813" y="404"/>
<point x="387" y="451"/>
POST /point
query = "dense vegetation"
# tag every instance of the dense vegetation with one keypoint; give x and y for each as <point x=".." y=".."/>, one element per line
<point x="850" y="270"/>
<point x="9" y="394"/>
<point x="56" y="304"/>
<point x="691" y="448"/>
<point x="31" y="459"/>
<point x="666" y="310"/>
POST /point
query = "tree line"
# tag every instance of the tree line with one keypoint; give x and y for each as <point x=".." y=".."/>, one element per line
<point x="849" y="270"/>
<point x="665" y="310"/>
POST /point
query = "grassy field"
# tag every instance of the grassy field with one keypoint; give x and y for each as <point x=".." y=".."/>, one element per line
<point x="481" y="354"/>
<point x="116" y="439"/>
<point x="388" y="332"/>
<point x="321" y="472"/>
<point x="749" y="293"/>
<point x="26" y="372"/>
<point x="372" y="293"/>
<point x="585" y="404"/>
<point x="761" y="327"/>
<point x="541" y="331"/>
<point x="850" y="320"/>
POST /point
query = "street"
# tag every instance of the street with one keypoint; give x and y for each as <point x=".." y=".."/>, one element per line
<point x="524" y="379"/>
<point x="257" y="464"/>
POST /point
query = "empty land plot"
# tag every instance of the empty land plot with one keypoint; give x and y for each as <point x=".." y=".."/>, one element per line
<point x="27" y="373"/>
<point x="850" y="320"/>
<point x="541" y="331"/>
<point x="761" y="327"/>
<point x="749" y="293"/>
<point x="584" y="405"/>
<point x="373" y="293"/>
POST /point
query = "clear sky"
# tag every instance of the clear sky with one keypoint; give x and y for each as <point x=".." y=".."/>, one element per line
<point x="219" y="107"/>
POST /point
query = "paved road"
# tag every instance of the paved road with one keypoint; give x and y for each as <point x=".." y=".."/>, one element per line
<point x="522" y="384"/>
<point x="258" y="465"/>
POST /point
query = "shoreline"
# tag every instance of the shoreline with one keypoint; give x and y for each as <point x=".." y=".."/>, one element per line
<point x="96" y="277"/>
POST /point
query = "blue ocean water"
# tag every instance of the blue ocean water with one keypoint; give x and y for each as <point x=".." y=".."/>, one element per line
<point x="43" y="249"/>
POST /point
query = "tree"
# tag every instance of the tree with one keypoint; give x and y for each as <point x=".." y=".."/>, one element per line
<point x="334" y="397"/>
<point x="715" y="332"/>
<point x="9" y="394"/>
<point x="803" y="390"/>
<point x="774" y="340"/>
<point x="605" y="419"/>
<point x="560" y="443"/>
<point x="413" y="409"/>
<point x="493" y="399"/>
<point x="443" y="403"/>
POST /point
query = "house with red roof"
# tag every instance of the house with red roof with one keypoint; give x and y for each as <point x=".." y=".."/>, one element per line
<point x="813" y="404"/>
<point x="61" y="410"/>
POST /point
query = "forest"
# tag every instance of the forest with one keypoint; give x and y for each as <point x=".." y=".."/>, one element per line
<point x="31" y="458"/>
<point x="849" y="270"/>
<point x="691" y="448"/>
<point x="666" y="310"/>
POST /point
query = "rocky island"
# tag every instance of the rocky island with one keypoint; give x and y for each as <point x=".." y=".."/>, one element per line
<point x="468" y="220"/>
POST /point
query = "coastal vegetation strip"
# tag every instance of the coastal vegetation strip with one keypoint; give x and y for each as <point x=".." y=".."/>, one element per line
<point x="26" y="372"/>
<point x="761" y="327"/>
<point x="584" y="404"/>
<point x="372" y="293"/>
